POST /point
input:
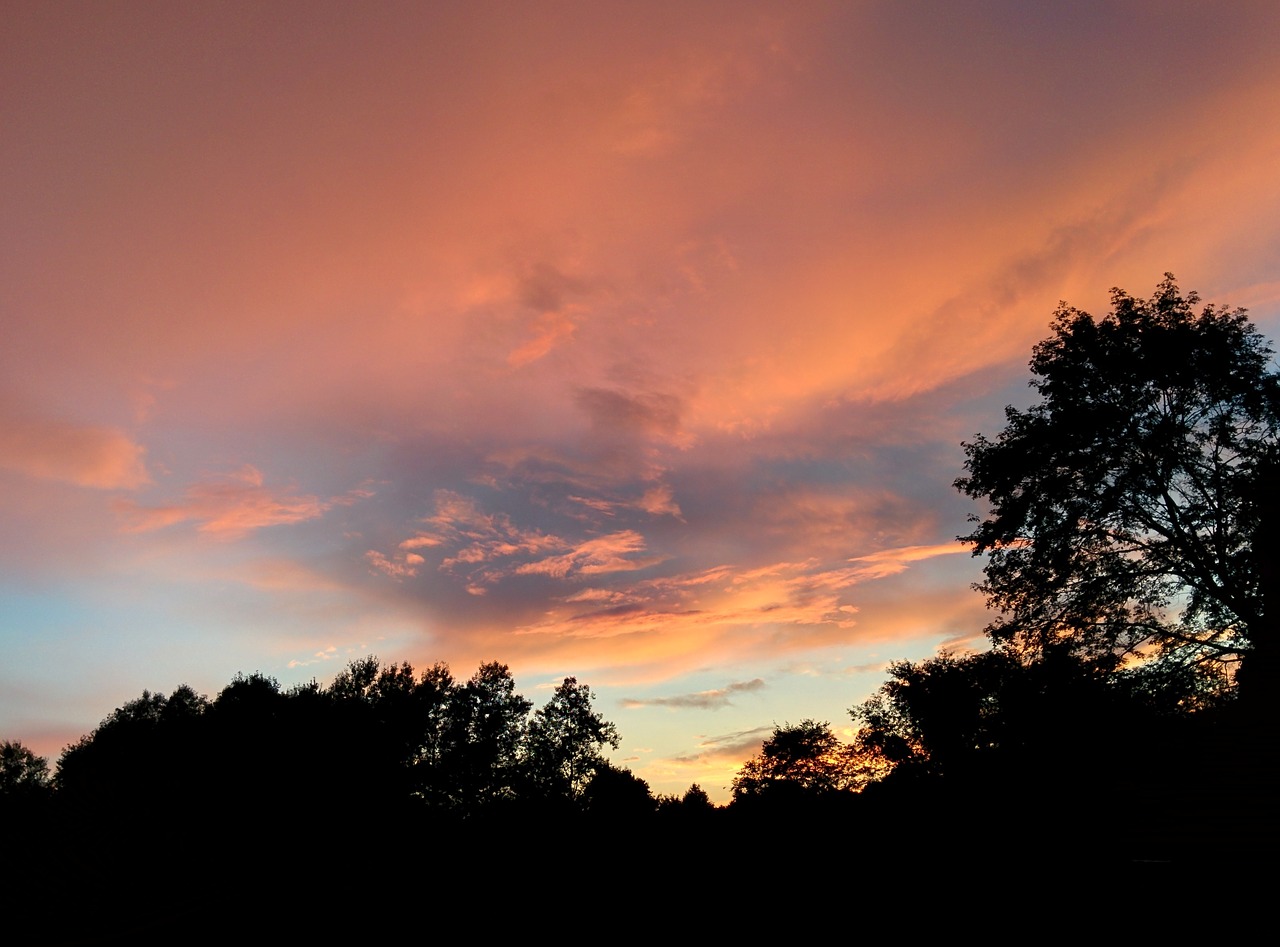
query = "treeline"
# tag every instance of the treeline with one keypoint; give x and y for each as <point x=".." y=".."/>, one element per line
<point x="272" y="807"/>
<point x="378" y="738"/>
<point x="1077" y="743"/>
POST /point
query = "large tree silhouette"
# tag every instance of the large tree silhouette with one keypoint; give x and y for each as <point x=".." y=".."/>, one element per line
<point x="1128" y="506"/>
<point x="483" y="739"/>
<point x="565" y="742"/>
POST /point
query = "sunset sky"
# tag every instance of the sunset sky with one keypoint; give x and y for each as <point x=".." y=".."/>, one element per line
<point x="630" y="341"/>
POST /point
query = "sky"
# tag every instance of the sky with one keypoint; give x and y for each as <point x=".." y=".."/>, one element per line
<point x="628" y="341"/>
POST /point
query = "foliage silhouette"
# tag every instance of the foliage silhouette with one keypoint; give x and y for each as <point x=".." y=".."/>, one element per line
<point x="564" y="742"/>
<point x="1125" y="504"/>
<point x="695" y="799"/>
<point x="377" y="737"/>
<point x="145" y="750"/>
<point x="694" y="806"/>
<point x="616" y="793"/>
<point x="804" y="759"/>
<point x="23" y="775"/>
<point x="483" y="739"/>
<point x="431" y="722"/>
<point x="957" y="715"/>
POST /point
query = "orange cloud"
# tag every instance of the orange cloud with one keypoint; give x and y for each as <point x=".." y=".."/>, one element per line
<point x="702" y="605"/>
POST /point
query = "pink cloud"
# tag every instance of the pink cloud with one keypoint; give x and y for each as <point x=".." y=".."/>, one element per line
<point x="228" y="507"/>
<point x="101" y="457"/>
<point x="593" y="557"/>
<point x="660" y="500"/>
<point x="474" y="539"/>
<point x="406" y="568"/>
<point x="656" y="501"/>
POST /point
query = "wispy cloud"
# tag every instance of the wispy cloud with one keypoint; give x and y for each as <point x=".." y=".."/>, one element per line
<point x="889" y="562"/>
<point x="610" y="553"/>
<point x="485" y="548"/>
<point x="786" y="593"/>
<point x="478" y="546"/>
<point x="731" y="747"/>
<point x="226" y="507"/>
<point x="702" y="700"/>
<point x="405" y="567"/>
<point x="659" y="500"/>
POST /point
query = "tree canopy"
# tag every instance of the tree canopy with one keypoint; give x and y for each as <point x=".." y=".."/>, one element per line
<point x="982" y="713"/>
<point x="22" y="773"/>
<point x="379" y="735"/>
<point x="1126" y="506"/>
<point x="565" y="740"/>
<point x="803" y="758"/>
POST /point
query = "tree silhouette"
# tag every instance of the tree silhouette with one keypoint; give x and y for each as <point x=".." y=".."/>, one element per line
<point x="694" y="806"/>
<point x="145" y="750"/>
<point x="483" y="739"/>
<point x="958" y="715"/>
<point x="22" y="773"/>
<point x="695" y="799"/>
<point x="1125" y="504"/>
<point x="432" y="725"/>
<point x="799" y="759"/>
<point x="565" y="740"/>
<point x="616" y="793"/>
